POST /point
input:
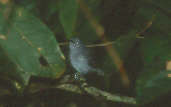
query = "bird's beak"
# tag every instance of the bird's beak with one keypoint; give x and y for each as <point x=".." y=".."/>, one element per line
<point x="71" y="41"/>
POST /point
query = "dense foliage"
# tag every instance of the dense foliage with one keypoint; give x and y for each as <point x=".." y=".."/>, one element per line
<point x="34" y="56"/>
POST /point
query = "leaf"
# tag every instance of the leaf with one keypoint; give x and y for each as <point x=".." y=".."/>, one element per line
<point x="156" y="50"/>
<point x="125" y="42"/>
<point x="122" y="46"/>
<point x="151" y="85"/>
<point x="155" y="26"/>
<point x="68" y="15"/>
<point x="26" y="42"/>
<point x="154" y="82"/>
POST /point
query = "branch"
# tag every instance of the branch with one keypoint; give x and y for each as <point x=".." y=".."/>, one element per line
<point x="66" y="84"/>
<point x="96" y="93"/>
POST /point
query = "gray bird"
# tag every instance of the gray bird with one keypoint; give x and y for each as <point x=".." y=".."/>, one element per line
<point x="80" y="58"/>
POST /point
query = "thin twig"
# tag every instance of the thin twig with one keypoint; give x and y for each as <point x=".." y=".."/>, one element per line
<point x="147" y="26"/>
<point x="102" y="44"/>
<point x="91" y="45"/>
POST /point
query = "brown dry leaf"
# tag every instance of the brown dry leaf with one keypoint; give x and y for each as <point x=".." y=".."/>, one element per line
<point x="3" y="37"/>
<point x="169" y="75"/>
<point x="168" y="65"/>
<point x="4" y="1"/>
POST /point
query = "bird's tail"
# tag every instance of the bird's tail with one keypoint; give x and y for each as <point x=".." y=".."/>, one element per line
<point x="99" y="71"/>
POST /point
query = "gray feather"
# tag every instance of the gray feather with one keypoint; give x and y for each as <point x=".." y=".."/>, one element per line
<point x="80" y="57"/>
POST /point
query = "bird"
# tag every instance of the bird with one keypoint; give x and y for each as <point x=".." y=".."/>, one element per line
<point x="80" y="58"/>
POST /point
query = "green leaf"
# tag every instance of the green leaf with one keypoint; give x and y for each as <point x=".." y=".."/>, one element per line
<point x="31" y="46"/>
<point x="68" y="16"/>
<point x="151" y="85"/>
<point x="154" y="82"/>
<point x="122" y="46"/>
<point x="125" y="42"/>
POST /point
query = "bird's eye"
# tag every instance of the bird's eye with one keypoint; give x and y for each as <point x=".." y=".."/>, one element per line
<point x="77" y="76"/>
